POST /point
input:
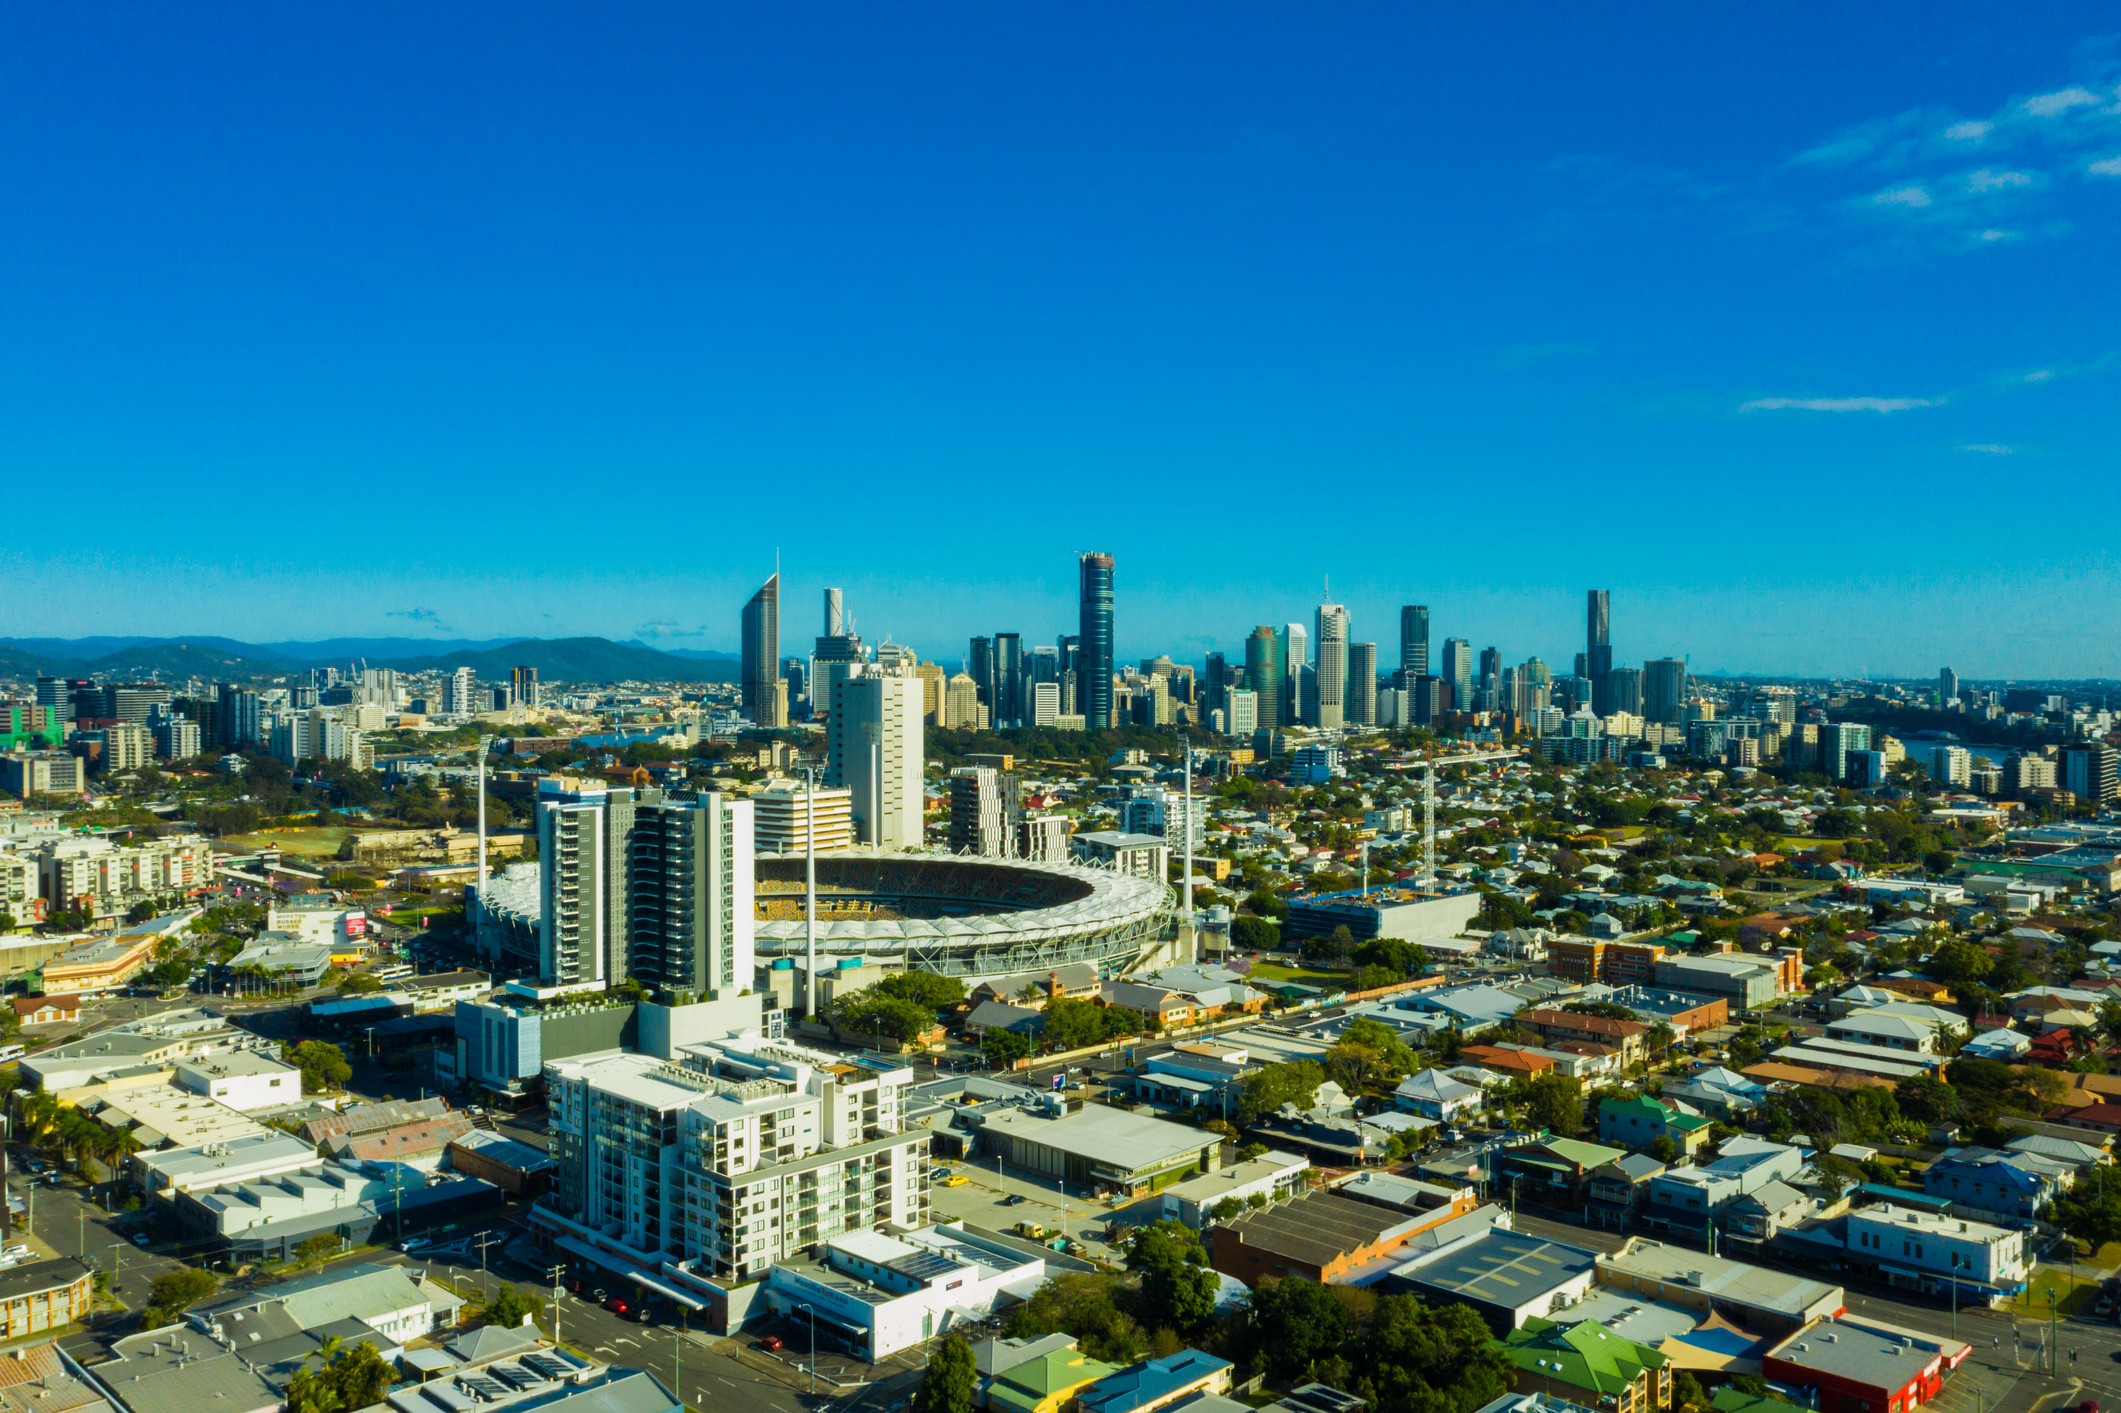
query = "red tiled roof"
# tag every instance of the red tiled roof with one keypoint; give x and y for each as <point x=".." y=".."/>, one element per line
<point x="1594" y="1025"/>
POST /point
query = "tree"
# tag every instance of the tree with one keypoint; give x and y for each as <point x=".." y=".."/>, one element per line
<point x="323" y="1065"/>
<point x="951" y="1379"/>
<point x="1254" y="934"/>
<point x="1664" y="1150"/>
<point x="1958" y="962"/>
<point x="509" y="1307"/>
<point x="1294" y="1321"/>
<point x="868" y="1013"/>
<point x="1271" y="1086"/>
<point x="1334" y="946"/>
<point x="1555" y="1102"/>
<point x="1687" y="1391"/>
<point x="1228" y="1208"/>
<point x="1085" y="1305"/>
<point x="2092" y="1211"/>
<point x="1927" y="1099"/>
<point x="311" y="1250"/>
<point x="1177" y="1290"/>
<point x="350" y="1377"/>
<point x="1003" y="1047"/>
<point x="924" y="989"/>
<point x="171" y="1295"/>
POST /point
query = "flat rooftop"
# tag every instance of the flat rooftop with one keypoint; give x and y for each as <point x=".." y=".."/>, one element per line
<point x="164" y="1114"/>
<point x="1320" y="1226"/>
<point x="1504" y="1268"/>
<point x="233" y="1063"/>
<point x="1780" y="1292"/>
<point x="1105" y="1135"/>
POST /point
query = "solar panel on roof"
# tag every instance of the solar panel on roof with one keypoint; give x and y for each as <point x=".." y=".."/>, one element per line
<point x="923" y="1265"/>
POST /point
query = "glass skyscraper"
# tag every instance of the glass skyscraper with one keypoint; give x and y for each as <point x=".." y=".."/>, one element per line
<point x="1093" y="649"/>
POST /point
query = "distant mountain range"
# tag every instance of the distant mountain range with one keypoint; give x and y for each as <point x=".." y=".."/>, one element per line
<point x="556" y="659"/>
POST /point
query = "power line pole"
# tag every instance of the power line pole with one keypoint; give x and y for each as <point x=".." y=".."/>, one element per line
<point x="557" y="1272"/>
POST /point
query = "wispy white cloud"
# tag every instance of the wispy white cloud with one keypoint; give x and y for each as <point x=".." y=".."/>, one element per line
<point x="1968" y="132"/>
<point x="2047" y="105"/>
<point x="1838" y="404"/>
<point x="1913" y="196"/>
<point x="2105" y="167"/>
<point x="1986" y="180"/>
<point x="1988" y="448"/>
<point x="1993" y="236"/>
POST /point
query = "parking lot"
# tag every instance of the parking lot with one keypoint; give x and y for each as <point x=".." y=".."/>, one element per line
<point x="984" y="1201"/>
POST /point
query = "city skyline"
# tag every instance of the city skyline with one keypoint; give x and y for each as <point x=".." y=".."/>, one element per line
<point x="1745" y="326"/>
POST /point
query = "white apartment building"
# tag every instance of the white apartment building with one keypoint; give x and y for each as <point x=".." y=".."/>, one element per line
<point x="735" y="1155"/>
<point x="1952" y="765"/>
<point x="18" y="886"/>
<point x="780" y="819"/>
<point x="1910" y="1245"/>
<point x="979" y="819"/>
<point x="460" y="693"/>
<point x="875" y="744"/>
<point x="1244" y="711"/>
<point x="108" y="876"/>
<point x="126" y="745"/>
<point x="1045" y="702"/>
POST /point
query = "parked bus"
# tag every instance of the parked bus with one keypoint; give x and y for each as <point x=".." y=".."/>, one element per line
<point x="11" y="1052"/>
<point x="392" y="973"/>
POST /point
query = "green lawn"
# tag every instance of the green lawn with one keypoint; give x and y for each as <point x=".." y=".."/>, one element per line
<point x="314" y="843"/>
<point x="2069" y="1294"/>
<point x="1269" y="971"/>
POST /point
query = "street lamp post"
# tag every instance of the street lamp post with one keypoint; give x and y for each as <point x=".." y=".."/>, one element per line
<point x="812" y="1312"/>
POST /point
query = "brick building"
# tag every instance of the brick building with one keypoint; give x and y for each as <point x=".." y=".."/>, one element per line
<point x="1629" y="1037"/>
<point x="1585" y="960"/>
<point x="1319" y="1236"/>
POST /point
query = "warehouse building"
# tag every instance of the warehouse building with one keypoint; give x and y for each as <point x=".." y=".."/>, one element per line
<point x="1099" y="1146"/>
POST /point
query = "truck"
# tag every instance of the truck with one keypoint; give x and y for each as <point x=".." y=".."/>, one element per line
<point x="1031" y="1231"/>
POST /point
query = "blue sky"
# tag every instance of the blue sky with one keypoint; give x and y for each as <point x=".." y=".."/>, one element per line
<point x="1794" y="325"/>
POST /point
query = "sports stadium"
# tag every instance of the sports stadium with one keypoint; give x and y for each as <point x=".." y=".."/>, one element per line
<point x="958" y="915"/>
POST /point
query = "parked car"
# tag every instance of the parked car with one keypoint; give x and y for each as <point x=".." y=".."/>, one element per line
<point x="597" y="1294"/>
<point x="140" y="1239"/>
<point x="418" y="1243"/>
<point x="769" y="1343"/>
<point x="1014" y="1198"/>
<point x="617" y="1305"/>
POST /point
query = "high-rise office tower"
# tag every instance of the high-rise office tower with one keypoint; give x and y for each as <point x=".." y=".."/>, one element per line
<point x="1008" y="699"/>
<point x="689" y="902"/>
<point x="1331" y="622"/>
<point x="1093" y="648"/>
<point x="1065" y="647"/>
<point x="836" y="655"/>
<point x="525" y="682"/>
<point x="961" y="703"/>
<point x="1215" y="684"/>
<point x="2087" y="771"/>
<point x="1457" y="669"/>
<point x="1296" y="702"/>
<point x="585" y="854"/>
<point x="979" y="666"/>
<point x="1240" y="711"/>
<point x="796" y="673"/>
<point x="764" y="698"/>
<point x="1947" y="685"/>
<point x="1625" y="684"/>
<point x="874" y="746"/>
<point x="1264" y="675"/>
<point x="1362" y="684"/>
<point x="1413" y="642"/>
<point x="1489" y="683"/>
<point x="1598" y="648"/>
<point x="1664" y="689"/>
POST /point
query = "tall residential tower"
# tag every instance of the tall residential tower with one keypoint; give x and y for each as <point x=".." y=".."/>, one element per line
<point x="1093" y="648"/>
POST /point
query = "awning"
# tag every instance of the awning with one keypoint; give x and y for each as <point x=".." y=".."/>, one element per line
<point x="627" y="1271"/>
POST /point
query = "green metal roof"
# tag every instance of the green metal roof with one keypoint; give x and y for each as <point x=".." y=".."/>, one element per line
<point x="1587" y="1355"/>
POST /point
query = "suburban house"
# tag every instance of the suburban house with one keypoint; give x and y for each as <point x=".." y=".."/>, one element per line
<point x="1639" y="1121"/>
<point x="1435" y="1095"/>
<point x="1553" y="1173"/>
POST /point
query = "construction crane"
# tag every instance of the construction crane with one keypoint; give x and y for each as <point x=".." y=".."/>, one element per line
<point x="1427" y="882"/>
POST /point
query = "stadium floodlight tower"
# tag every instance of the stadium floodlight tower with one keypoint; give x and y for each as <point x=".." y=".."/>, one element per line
<point x="810" y="892"/>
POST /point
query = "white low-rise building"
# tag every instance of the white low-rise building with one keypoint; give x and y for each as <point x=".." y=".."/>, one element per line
<point x="261" y="1155"/>
<point x="877" y="1294"/>
<point x="1194" y="1202"/>
<point x="1925" y="1249"/>
<point x="243" y="1080"/>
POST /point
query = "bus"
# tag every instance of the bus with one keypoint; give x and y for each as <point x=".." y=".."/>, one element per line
<point x="392" y="973"/>
<point x="11" y="1052"/>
